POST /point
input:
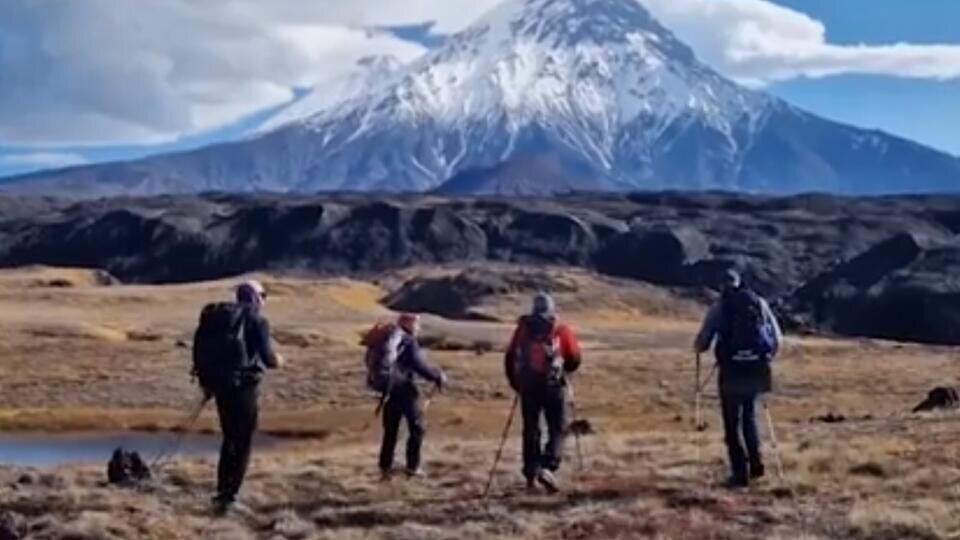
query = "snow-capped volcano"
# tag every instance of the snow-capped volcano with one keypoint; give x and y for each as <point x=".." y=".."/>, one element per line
<point x="596" y="83"/>
<point x="541" y="96"/>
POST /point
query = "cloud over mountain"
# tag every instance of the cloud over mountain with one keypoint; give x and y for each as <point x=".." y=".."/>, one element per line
<point x="101" y="72"/>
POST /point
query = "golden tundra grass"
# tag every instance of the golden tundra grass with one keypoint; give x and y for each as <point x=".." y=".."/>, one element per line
<point x="91" y="357"/>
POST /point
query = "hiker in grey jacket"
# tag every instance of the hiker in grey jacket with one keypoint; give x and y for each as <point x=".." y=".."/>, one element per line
<point x="403" y="400"/>
<point x="746" y="337"/>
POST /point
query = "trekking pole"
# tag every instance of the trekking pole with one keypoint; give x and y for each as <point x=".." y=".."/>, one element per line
<point x="503" y="441"/>
<point x="780" y="473"/>
<point x="161" y="459"/>
<point x="710" y="374"/>
<point x="696" y="396"/>
<point x="576" y="432"/>
<point x="429" y="398"/>
<point x="773" y="441"/>
<point x="380" y="404"/>
<point x="699" y="424"/>
<point x="698" y="433"/>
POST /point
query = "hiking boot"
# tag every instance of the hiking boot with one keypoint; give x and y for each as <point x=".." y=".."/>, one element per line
<point x="225" y="504"/>
<point x="221" y="498"/>
<point x="548" y="481"/>
<point x="414" y="473"/>
<point x="757" y="471"/>
<point x="386" y="475"/>
<point x="736" y="482"/>
<point x="531" y="483"/>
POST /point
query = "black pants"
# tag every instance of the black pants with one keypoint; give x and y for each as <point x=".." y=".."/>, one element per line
<point x="550" y="401"/>
<point x="239" y="411"/>
<point x="403" y="403"/>
<point x="739" y="417"/>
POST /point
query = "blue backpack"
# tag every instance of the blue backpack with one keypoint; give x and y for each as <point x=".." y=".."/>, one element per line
<point x="744" y="333"/>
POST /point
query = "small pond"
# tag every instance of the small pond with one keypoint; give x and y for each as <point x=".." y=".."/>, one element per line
<point x="47" y="449"/>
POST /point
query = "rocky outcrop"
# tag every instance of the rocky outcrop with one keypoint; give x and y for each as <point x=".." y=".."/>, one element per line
<point x="941" y="397"/>
<point x="458" y="296"/>
<point x="127" y="468"/>
<point x="663" y="255"/>
<point x="866" y="269"/>
<point x="899" y="290"/>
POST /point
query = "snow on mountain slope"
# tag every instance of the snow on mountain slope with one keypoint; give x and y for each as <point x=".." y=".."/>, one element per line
<point x="368" y="73"/>
<point x="571" y="75"/>
<point x="547" y="94"/>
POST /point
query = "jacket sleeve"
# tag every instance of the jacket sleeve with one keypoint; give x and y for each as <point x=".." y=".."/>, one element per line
<point x="262" y="346"/>
<point x="570" y="347"/>
<point x="708" y="329"/>
<point x="771" y="320"/>
<point x="418" y="363"/>
<point x="510" y="358"/>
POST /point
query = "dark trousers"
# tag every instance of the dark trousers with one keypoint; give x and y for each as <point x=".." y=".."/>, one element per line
<point x="550" y="401"/>
<point x="239" y="411"/>
<point x="403" y="403"/>
<point x="739" y="417"/>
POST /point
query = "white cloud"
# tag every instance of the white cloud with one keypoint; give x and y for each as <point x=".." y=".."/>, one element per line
<point x="448" y="15"/>
<point x="100" y="72"/>
<point x="41" y="160"/>
<point x="758" y="42"/>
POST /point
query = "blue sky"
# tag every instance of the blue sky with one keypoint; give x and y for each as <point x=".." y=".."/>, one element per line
<point x="927" y="111"/>
<point x="921" y="107"/>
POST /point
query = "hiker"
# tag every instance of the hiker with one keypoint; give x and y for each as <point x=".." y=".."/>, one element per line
<point x="400" y="395"/>
<point x="232" y="349"/>
<point x="540" y="355"/>
<point x="747" y="337"/>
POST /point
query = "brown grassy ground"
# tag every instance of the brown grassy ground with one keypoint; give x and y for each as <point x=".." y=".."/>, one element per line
<point x="93" y="357"/>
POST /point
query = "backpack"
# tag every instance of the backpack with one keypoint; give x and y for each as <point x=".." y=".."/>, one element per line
<point x="126" y="468"/>
<point x="383" y="343"/>
<point x="745" y="335"/>
<point x="219" y="348"/>
<point x="538" y="355"/>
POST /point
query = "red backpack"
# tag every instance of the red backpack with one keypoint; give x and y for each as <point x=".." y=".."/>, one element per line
<point x="538" y="354"/>
<point x="383" y="348"/>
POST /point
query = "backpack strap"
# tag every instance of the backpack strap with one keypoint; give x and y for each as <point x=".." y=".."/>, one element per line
<point x="242" y="323"/>
<point x="397" y="345"/>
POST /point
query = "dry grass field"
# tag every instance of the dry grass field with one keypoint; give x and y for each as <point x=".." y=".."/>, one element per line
<point x="78" y="355"/>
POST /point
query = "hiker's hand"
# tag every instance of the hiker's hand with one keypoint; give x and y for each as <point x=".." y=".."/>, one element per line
<point x="442" y="382"/>
<point x="281" y="361"/>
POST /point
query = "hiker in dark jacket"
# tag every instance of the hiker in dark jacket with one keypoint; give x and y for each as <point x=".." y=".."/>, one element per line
<point x="746" y="338"/>
<point x="541" y="353"/>
<point x="403" y="399"/>
<point x="237" y="403"/>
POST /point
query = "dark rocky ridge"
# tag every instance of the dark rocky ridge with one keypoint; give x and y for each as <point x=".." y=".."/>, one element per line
<point x="882" y="267"/>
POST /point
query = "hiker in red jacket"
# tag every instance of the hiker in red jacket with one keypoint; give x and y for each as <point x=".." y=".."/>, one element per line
<point x="541" y="353"/>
